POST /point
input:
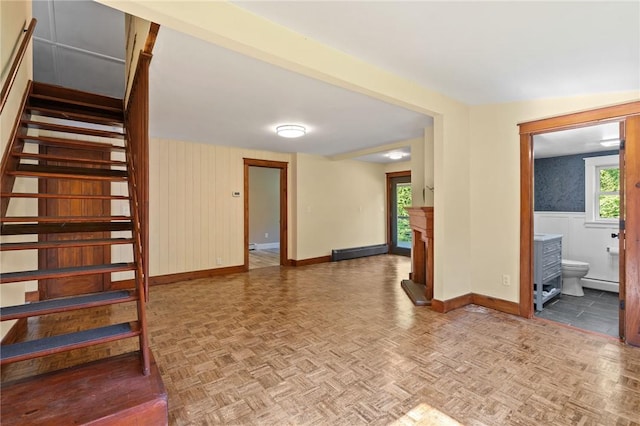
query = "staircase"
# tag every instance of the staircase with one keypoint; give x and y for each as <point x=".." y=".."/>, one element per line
<point x="71" y="152"/>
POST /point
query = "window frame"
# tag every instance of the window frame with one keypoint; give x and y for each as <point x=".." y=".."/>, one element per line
<point x="593" y="165"/>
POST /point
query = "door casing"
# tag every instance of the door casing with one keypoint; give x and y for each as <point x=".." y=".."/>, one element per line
<point x="629" y="113"/>
<point x="282" y="166"/>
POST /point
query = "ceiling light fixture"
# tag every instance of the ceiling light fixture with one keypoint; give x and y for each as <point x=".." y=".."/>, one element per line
<point x="291" y="131"/>
<point x="396" y="155"/>
<point x="610" y="142"/>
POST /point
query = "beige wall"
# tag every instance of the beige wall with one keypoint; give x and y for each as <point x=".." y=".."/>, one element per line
<point x="234" y="28"/>
<point x="340" y="204"/>
<point x="14" y="16"/>
<point x="264" y="205"/>
<point x="195" y="219"/>
<point x="495" y="185"/>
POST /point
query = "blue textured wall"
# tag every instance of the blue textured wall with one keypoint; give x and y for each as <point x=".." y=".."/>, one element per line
<point x="559" y="182"/>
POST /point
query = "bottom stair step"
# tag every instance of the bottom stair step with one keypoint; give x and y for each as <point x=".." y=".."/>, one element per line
<point x="66" y="342"/>
<point x="65" y="304"/>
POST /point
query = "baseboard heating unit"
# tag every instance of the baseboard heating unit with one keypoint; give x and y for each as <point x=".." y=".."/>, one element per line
<point x="355" y="252"/>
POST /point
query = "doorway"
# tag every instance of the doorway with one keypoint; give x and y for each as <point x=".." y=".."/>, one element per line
<point x="266" y="249"/>
<point x="577" y="202"/>
<point x="398" y="198"/>
<point x="629" y="237"/>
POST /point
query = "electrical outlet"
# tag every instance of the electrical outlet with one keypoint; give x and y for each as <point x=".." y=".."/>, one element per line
<point x="506" y="280"/>
<point x="219" y="261"/>
<point x="266" y="235"/>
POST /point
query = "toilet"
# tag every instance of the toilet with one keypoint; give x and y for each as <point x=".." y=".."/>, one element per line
<point x="572" y="273"/>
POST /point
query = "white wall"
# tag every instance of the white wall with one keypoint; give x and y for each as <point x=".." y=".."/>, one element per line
<point x="583" y="243"/>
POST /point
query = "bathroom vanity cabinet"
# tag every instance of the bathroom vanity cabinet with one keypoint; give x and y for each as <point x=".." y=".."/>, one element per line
<point x="547" y="268"/>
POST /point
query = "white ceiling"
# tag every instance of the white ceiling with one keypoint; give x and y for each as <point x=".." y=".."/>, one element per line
<point x="480" y="51"/>
<point x="475" y="51"/>
<point x="575" y="141"/>
<point x="201" y="92"/>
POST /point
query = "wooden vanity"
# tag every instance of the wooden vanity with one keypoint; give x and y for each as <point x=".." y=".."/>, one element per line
<point x="419" y="286"/>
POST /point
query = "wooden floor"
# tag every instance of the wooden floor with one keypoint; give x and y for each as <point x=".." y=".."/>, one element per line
<point x="341" y="344"/>
<point x="264" y="258"/>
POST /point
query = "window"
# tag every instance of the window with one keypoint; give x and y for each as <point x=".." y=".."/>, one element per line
<point x="602" y="190"/>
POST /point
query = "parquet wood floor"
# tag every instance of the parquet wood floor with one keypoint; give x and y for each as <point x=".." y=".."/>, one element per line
<point x="264" y="258"/>
<point x="341" y="344"/>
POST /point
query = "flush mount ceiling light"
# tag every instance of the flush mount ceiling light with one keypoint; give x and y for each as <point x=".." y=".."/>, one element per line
<point x="396" y="155"/>
<point x="291" y="131"/>
<point x="610" y="142"/>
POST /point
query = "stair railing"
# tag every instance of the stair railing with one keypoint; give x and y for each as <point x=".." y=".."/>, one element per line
<point x="137" y="150"/>
<point x="13" y="71"/>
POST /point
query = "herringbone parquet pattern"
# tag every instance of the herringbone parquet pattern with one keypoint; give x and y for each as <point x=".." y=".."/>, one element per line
<point x="341" y="344"/>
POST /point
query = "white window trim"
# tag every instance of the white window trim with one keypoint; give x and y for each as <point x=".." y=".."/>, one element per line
<point x="591" y="166"/>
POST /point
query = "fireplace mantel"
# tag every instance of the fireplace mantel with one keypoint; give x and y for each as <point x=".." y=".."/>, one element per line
<point x="420" y="287"/>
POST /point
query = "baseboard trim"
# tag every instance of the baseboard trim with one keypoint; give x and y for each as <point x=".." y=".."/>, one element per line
<point x="501" y="305"/>
<point x="180" y="276"/>
<point x="123" y="284"/>
<point x="443" y="306"/>
<point x="16" y="331"/>
<point x="194" y="275"/>
<point x="310" y="261"/>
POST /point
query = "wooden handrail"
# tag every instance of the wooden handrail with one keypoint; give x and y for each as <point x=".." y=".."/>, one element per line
<point x="13" y="72"/>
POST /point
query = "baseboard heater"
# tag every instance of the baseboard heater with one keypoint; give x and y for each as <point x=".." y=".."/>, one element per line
<point x="355" y="252"/>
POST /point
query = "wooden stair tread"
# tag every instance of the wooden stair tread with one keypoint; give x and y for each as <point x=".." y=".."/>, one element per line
<point x="65" y="243"/>
<point x="66" y="304"/>
<point x="77" y="103"/>
<point x="62" y="196"/>
<point x="65" y="342"/>
<point x="75" y="116"/>
<point x="40" y="274"/>
<point x="88" y="394"/>
<point x="49" y="157"/>
<point x="70" y="129"/>
<point x="68" y="172"/>
<point x="63" y="219"/>
<point x="57" y="228"/>
<point x="71" y="143"/>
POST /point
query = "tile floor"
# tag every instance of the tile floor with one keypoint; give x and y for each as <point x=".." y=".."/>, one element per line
<point x="595" y="311"/>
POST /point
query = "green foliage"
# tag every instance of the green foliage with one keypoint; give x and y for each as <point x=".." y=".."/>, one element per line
<point x="403" y="199"/>
<point x="609" y="180"/>
<point x="610" y="203"/>
<point x="609" y="206"/>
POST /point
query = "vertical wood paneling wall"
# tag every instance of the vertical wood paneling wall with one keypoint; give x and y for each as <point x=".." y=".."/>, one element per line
<point x="195" y="221"/>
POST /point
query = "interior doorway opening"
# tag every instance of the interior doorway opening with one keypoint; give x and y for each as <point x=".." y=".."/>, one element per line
<point x="577" y="202"/>
<point x="629" y="235"/>
<point x="265" y="213"/>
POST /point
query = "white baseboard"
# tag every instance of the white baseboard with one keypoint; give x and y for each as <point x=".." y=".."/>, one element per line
<point x="611" y="286"/>
<point x="265" y="246"/>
